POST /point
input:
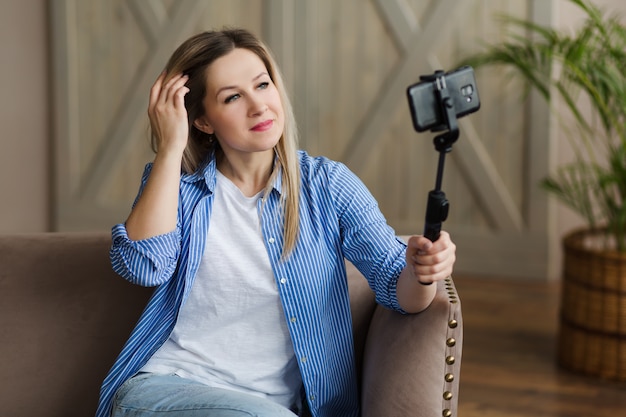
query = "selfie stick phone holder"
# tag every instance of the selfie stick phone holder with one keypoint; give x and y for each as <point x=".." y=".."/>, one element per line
<point x="438" y="206"/>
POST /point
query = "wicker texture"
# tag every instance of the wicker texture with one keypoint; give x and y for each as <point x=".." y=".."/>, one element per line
<point x="592" y="336"/>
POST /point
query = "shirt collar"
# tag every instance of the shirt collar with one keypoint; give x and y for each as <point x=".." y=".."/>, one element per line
<point x="207" y="172"/>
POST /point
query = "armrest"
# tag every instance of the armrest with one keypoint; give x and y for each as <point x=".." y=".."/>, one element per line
<point x="412" y="362"/>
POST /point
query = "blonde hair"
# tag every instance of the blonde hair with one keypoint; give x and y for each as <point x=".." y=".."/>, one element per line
<point x="192" y="58"/>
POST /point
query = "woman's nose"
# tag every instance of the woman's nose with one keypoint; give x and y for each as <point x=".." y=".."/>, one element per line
<point x="257" y="106"/>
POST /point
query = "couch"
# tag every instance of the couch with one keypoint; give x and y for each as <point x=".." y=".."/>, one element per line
<point x="64" y="316"/>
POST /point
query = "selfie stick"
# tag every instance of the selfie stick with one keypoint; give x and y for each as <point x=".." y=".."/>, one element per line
<point x="437" y="208"/>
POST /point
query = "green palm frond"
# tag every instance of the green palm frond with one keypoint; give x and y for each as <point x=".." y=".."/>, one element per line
<point x="573" y="184"/>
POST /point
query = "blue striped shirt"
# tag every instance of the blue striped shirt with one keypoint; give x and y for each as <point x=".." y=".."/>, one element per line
<point x="339" y="219"/>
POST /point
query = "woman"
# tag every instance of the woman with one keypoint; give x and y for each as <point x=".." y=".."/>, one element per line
<point x="244" y="238"/>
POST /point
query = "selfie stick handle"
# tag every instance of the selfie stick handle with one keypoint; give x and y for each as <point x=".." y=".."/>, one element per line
<point x="438" y="206"/>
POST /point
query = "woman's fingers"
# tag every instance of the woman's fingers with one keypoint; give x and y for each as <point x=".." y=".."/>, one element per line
<point x="163" y="93"/>
<point x="432" y="261"/>
<point x="173" y="87"/>
<point x="155" y="91"/>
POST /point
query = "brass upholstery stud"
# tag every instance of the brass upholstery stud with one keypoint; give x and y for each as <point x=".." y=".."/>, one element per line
<point x="449" y="377"/>
<point x="447" y="413"/>
<point x="451" y="342"/>
<point x="453" y="323"/>
<point x="450" y="360"/>
<point x="447" y="395"/>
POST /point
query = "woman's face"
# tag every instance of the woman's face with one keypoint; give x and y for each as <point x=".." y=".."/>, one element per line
<point x="242" y="105"/>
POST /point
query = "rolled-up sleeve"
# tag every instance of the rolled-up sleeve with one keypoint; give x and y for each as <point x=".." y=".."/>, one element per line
<point x="149" y="262"/>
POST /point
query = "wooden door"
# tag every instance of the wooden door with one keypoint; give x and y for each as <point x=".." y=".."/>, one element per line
<point x="347" y="64"/>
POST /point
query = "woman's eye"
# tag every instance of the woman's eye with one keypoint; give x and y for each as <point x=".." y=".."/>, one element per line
<point x="264" y="85"/>
<point x="231" y="98"/>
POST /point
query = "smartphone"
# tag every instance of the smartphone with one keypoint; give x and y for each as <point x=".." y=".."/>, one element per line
<point x="424" y="99"/>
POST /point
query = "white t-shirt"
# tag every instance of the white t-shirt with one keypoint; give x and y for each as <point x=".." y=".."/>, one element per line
<point x="231" y="332"/>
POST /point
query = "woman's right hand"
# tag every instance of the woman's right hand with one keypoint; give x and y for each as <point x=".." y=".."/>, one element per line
<point x="167" y="113"/>
<point x="156" y="210"/>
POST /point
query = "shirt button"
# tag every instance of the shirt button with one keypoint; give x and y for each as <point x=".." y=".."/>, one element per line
<point x="293" y="319"/>
<point x="271" y="240"/>
<point x="312" y="397"/>
<point x="303" y="359"/>
<point x="283" y="280"/>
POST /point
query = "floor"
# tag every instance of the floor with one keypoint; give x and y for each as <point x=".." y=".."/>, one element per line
<point x="509" y="362"/>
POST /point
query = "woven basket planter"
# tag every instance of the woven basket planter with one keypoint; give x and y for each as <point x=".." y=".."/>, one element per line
<point x="592" y="333"/>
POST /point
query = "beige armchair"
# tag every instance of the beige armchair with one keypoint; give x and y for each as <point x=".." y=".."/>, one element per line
<point x="64" y="316"/>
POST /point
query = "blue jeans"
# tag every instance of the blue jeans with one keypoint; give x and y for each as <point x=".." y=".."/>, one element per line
<point x="169" y="395"/>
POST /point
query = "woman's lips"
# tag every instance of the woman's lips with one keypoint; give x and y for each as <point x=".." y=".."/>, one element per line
<point x="263" y="126"/>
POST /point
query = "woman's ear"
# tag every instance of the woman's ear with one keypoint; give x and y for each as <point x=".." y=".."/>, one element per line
<point x="203" y="125"/>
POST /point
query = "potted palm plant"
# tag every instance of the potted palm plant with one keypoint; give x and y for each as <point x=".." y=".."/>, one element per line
<point x="586" y="70"/>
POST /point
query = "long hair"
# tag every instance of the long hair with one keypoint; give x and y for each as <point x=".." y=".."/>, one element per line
<point x="192" y="58"/>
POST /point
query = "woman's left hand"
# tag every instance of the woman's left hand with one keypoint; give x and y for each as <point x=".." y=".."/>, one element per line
<point x="431" y="261"/>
